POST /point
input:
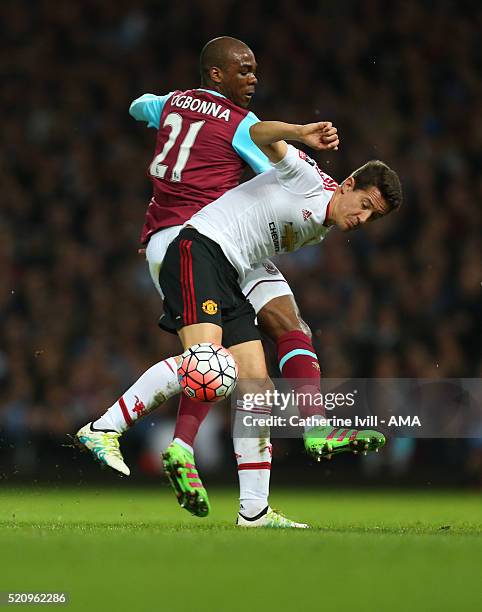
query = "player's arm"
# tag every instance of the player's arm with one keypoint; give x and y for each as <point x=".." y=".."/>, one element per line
<point x="148" y="108"/>
<point x="245" y="147"/>
<point x="270" y="137"/>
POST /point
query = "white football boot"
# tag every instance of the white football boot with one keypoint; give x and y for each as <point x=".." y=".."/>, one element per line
<point x="104" y="445"/>
<point x="269" y="518"/>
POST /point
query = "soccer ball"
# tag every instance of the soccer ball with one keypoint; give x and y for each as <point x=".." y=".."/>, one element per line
<point x="207" y="372"/>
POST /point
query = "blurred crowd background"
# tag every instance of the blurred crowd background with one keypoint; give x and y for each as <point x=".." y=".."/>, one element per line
<point x="402" y="82"/>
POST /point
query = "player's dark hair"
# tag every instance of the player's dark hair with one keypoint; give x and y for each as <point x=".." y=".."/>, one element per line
<point x="377" y="174"/>
<point x="215" y="53"/>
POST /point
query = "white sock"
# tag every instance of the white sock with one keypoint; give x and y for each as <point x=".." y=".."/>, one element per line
<point x="254" y="470"/>
<point x="254" y="463"/>
<point x="184" y="445"/>
<point x="153" y="388"/>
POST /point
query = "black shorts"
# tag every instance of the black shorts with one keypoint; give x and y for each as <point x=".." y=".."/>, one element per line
<point x="201" y="286"/>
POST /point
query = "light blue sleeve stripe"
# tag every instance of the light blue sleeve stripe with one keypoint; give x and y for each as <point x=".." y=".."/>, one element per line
<point x="245" y="147"/>
<point x="294" y="353"/>
<point x="149" y="108"/>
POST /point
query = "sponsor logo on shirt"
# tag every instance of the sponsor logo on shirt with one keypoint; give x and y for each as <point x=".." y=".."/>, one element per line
<point x="210" y="307"/>
<point x="289" y="237"/>
<point x="306" y="214"/>
<point x="274" y="235"/>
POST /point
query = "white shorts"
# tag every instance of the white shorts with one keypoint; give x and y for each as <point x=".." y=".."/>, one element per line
<point x="264" y="283"/>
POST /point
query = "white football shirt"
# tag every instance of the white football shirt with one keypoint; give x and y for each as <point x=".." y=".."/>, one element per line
<point x="276" y="212"/>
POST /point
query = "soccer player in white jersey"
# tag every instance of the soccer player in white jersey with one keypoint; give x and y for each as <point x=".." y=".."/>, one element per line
<point x="292" y="205"/>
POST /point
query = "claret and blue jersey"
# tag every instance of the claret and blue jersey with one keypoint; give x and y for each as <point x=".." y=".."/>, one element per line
<point x="202" y="148"/>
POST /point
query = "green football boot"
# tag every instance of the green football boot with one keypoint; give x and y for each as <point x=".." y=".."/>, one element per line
<point x="324" y="442"/>
<point x="184" y="478"/>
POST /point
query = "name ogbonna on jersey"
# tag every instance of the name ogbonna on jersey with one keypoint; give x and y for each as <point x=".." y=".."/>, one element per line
<point x="201" y="106"/>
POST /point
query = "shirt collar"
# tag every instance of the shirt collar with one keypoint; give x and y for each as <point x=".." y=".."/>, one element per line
<point x="211" y="91"/>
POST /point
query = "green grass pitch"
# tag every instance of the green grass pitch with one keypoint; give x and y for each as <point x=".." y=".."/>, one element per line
<point x="128" y="549"/>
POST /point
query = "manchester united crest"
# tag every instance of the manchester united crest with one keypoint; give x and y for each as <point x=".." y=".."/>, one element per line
<point x="210" y="307"/>
<point x="270" y="268"/>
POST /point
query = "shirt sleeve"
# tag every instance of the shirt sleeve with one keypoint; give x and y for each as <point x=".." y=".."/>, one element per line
<point x="245" y="147"/>
<point x="296" y="174"/>
<point x="148" y="108"/>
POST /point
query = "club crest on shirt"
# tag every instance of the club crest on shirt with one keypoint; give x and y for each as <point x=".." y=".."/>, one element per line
<point x="270" y="268"/>
<point x="210" y="307"/>
<point x="139" y="407"/>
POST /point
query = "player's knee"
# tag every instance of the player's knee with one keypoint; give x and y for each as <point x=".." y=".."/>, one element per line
<point x="280" y="316"/>
<point x="305" y="328"/>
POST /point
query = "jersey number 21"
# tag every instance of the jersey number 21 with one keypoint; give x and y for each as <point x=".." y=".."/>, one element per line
<point x="157" y="168"/>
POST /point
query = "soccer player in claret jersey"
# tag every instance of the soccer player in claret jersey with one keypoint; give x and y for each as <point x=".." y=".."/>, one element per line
<point x="262" y="209"/>
<point x="202" y="147"/>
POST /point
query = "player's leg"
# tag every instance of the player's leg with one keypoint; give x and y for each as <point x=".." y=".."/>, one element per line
<point x="280" y="319"/>
<point x="190" y="413"/>
<point x="192" y="281"/>
<point x="156" y="385"/>
<point x="178" y="458"/>
<point x="253" y="454"/>
<point x="151" y="390"/>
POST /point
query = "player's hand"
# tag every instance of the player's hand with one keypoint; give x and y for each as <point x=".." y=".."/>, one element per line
<point x="321" y="136"/>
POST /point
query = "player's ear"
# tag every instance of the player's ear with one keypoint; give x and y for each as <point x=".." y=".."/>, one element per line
<point x="348" y="184"/>
<point x="215" y="74"/>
